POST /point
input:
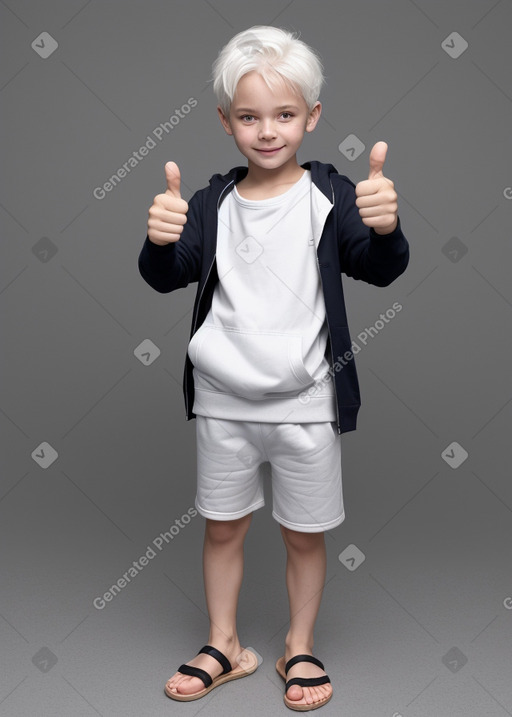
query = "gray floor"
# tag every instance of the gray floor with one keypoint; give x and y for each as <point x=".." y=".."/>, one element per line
<point x="417" y="628"/>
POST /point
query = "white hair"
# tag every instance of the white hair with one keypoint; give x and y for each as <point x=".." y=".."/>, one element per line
<point x="277" y="55"/>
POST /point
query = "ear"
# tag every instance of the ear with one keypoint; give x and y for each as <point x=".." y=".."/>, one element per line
<point x="313" y="117"/>
<point x="224" y="120"/>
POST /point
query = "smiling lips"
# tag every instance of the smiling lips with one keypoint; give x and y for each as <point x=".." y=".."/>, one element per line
<point x="270" y="151"/>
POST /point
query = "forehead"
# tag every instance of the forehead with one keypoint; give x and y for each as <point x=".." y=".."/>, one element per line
<point x="252" y="91"/>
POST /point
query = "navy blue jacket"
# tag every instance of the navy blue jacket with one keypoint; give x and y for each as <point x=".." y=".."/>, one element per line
<point x="346" y="245"/>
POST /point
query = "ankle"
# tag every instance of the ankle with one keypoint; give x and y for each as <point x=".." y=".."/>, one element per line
<point x="227" y="640"/>
<point x="298" y="646"/>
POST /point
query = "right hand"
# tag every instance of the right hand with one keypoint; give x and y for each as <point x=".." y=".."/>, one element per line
<point x="168" y="213"/>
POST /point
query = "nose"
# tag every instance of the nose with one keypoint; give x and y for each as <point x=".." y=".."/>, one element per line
<point x="267" y="130"/>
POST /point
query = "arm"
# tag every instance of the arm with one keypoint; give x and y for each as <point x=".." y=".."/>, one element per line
<point x="364" y="254"/>
<point x="173" y="265"/>
<point x="371" y="242"/>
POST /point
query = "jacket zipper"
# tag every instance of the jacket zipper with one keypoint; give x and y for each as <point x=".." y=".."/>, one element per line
<point x="201" y="296"/>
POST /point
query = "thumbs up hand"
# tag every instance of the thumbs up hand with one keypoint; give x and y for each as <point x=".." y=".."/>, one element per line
<point x="376" y="196"/>
<point x="168" y="213"/>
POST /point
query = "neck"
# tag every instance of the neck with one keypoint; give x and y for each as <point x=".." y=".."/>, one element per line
<point x="285" y="174"/>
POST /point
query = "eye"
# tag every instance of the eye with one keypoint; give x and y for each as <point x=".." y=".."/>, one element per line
<point x="244" y="116"/>
<point x="287" y="113"/>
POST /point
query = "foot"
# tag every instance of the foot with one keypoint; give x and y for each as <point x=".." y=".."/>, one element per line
<point x="305" y="695"/>
<point x="186" y="684"/>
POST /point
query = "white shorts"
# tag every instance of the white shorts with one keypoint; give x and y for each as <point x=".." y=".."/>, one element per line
<point x="305" y="461"/>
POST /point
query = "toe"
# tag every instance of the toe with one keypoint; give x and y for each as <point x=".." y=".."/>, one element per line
<point x="310" y="695"/>
<point x="322" y="692"/>
<point x="295" y="693"/>
<point x="188" y="685"/>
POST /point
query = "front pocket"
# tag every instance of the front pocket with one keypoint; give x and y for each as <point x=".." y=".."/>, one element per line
<point x="249" y="363"/>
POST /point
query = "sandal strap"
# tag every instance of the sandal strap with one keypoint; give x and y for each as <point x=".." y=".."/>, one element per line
<point x="219" y="656"/>
<point x="202" y="674"/>
<point x="307" y="681"/>
<point x="196" y="672"/>
<point x="303" y="658"/>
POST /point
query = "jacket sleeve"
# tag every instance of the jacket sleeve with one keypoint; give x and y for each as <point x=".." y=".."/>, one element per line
<point x="375" y="258"/>
<point x="173" y="266"/>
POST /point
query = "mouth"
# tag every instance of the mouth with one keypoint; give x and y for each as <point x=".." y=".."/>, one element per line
<point x="274" y="150"/>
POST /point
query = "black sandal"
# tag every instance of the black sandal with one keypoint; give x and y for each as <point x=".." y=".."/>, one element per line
<point x="227" y="674"/>
<point x="283" y="668"/>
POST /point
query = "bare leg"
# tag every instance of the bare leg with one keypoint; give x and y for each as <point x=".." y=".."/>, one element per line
<point x="305" y="577"/>
<point x="223" y="566"/>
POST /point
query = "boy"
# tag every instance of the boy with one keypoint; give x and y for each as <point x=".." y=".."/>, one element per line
<point x="266" y="372"/>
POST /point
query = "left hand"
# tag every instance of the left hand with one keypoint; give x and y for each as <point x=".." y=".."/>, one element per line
<point x="376" y="196"/>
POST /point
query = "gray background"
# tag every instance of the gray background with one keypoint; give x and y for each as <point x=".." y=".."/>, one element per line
<point x="423" y="625"/>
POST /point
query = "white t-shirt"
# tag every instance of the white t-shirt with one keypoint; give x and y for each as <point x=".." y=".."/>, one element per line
<point x="263" y="343"/>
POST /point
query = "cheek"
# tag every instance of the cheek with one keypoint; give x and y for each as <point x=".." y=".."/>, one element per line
<point x="295" y="131"/>
<point x="243" y="136"/>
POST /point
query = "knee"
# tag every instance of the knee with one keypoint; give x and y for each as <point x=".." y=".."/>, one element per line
<point x="227" y="531"/>
<point x="301" y="542"/>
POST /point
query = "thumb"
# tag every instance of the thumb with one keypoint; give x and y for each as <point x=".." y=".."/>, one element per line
<point x="173" y="177"/>
<point x="377" y="159"/>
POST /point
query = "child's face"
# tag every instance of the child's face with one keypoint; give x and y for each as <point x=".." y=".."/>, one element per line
<point x="260" y="119"/>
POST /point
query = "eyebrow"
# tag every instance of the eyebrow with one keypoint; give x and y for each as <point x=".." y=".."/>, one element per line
<point x="283" y="107"/>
